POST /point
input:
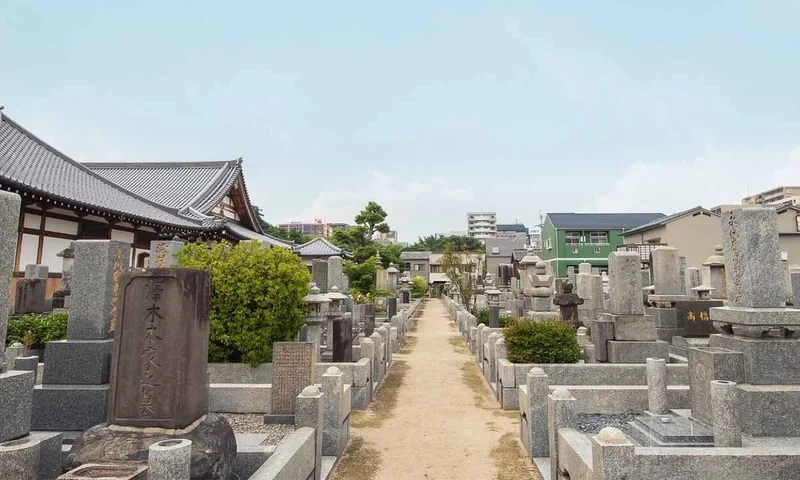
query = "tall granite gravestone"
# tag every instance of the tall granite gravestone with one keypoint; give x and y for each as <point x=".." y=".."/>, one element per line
<point x="293" y="370"/>
<point x="23" y="456"/>
<point x="667" y="290"/>
<point x="369" y="319"/>
<point x="31" y="291"/>
<point x="162" y="253"/>
<point x="74" y="390"/>
<point x="158" y="375"/>
<point x="319" y="274"/>
<point x="343" y="338"/>
<point x="335" y="272"/>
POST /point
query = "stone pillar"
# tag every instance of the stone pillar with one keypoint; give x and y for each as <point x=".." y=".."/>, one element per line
<point x="666" y="271"/>
<point x="538" y="384"/>
<point x="657" y="386"/>
<point x="377" y="362"/>
<point x="319" y="274"/>
<point x="368" y="351"/>
<point x="79" y="366"/>
<point x="31" y="291"/>
<point x="335" y="272"/>
<point x="9" y="221"/>
<point x="625" y="283"/>
<point x="309" y="408"/>
<point x="602" y="332"/>
<point x="494" y="315"/>
<point x="560" y="414"/>
<point x="391" y="306"/>
<point x="369" y="319"/>
<point x="693" y="279"/>
<point x="727" y="430"/>
<point x="612" y="455"/>
<point x="170" y="460"/>
<point x="162" y="253"/>
<point x="332" y="387"/>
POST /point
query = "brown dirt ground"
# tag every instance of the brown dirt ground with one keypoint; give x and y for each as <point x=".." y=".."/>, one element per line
<point x="435" y="416"/>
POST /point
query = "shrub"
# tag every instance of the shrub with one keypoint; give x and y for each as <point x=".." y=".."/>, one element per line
<point x="545" y="342"/>
<point x="483" y="316"/>
<point x="256" y="298"/>
<point x="34" y="330"/>
<point x="419" y="288"/>
<point x="506" y="320"/>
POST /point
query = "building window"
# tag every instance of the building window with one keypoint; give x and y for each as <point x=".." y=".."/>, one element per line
<point x="797" y="220"/>
<point x="598" y="238"/>
<point x="436" y="269"/>
<point x="495" y="250"/>
<point x="596" y="249"/>
<point x="416" y="267"/>
<point x="572" y="238"/>
<point x="548" y="243"/>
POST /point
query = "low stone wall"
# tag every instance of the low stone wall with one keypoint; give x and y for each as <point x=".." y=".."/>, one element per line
<point x="294" y="458"/>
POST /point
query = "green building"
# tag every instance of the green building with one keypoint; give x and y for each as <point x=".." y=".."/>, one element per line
<point x="572" y="238"/>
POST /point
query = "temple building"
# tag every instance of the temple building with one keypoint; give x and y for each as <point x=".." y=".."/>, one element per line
<point x="64" y="200"/>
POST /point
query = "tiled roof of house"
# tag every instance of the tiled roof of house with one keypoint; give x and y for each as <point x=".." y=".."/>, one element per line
<point x="512" y="227"/>
<point x="29" y="163"/>
<point x="415" y="256"/>
<point x="503" y="246"/>
<point x="601" y="220"/>
<point x="319" y="247"/>
<point x="669" y="218"/>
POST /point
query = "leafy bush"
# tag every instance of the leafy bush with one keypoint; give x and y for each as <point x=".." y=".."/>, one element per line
<point x="362" y="275"/>
<point x="34" y="330"/>
<point x="483" y="316"/>
<point x="506" y="320"/>
<point x="545" y="342"/>
<point x="419" y="288"/>
<point x="256" y="298"/>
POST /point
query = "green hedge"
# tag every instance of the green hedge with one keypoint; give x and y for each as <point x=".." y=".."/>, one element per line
<point x="545" y="342"/>
<point x="34" y="330"/>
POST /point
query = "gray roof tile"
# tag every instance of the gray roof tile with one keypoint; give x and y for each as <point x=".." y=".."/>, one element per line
<point x="668" y="218"/>
<point x="601" y="220"/>
<point x="319" y="247"/>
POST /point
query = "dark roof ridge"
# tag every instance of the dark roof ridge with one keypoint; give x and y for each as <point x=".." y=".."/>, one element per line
<point x="67" y="158"/>
<point x="181" y="164"/>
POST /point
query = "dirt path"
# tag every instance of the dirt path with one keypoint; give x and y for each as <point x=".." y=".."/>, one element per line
<point x="434" y="417"/>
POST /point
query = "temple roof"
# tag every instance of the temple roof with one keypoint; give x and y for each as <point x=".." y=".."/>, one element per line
<point x="320" y="247"/>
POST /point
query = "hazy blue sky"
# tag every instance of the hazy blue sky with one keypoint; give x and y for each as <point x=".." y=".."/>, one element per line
<point x="430" y="108"/>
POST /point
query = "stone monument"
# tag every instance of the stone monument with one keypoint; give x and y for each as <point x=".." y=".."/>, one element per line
<point x="335" y="272"/>
<point x="713" y="274"/>
<point x="319" y="274"/>
<point x="31" y="291"/>
<point x="293" y="370"/>
<point x="158" y="376"/>
<point x="540" y="288"/>
<point x="317" y="312"/>
<point x="569" y="302"/>
<point x="162" y="252"/>
<point x="61" y="296"/>
<point x="392" y="273"/>
<point x="667" y="290"/>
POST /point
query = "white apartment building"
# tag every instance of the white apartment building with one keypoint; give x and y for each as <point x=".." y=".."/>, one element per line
<point x="482" y="224"/>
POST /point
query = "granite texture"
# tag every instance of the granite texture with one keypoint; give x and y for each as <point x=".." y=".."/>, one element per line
<point x="666" y="271"/>
<point x="767" y="361"/>
<point x="319" y="274"/>
<point x="538" y="389"/>
<point x="19" y="459"/>
<point x="636" y="351"/>
<point x="752" y="257"/>
<point x="657" y="386"/>
<point x="9" y="220"/>
<point x="602" y="332"/>
<point x="95" y="288"/>
<point x="293" y="459"/>
<point x="239" y="398"/>
<point x="335" y="273"/>
<point x="30" y="296"/>
<point x="560" y="414"/>
<point x="27" y="364"/>
<point x="162" y="253"/>
<point x="625" y="288"/>
<point x="309" y="412"/>
<point x="16" y="403"/>
<point x="769" y="410"/>
<point x="601" y="373"/>
<point x="693" y="279"/>
<point x="332" y="387"/>
<point x="213" y="440"/>
<point x="725" y="415"/>
<point x="664" y="317"/>
<point x="121" y="471"/>
<point x="632" y="327"/>
<point x="754" y="322"/>
<point x="69" y="407"/>
<point x="707" y="364"/>
<point x="78" y="362"/>
<point x="170" y="460"/>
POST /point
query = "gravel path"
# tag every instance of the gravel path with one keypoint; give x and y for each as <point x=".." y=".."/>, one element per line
<point x="443" y="426"/>
<point x="592" y="423"/>
<point x="254" y="423"/>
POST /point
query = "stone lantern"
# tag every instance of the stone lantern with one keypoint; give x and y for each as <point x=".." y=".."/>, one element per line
<point x="392" y="273"/>
<point x="317" y="311"/>
<point x="714" y="274"/>
<point x="405" y="288"/>
<point x="540" y="287"/>
<point x="493" y="300"/>
<point x="527" y="271"/>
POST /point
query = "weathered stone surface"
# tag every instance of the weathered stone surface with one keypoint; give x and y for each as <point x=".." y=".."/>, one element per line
<point x="69" y="407"/>
<point x="27" y="364"/>
<point x="727" y="431"/>
<point x="158" y="371"/>
<point x="310" y="413"/>
<point x="78" y="362"/>
<point x="332" y="435"/>
<point x="293" y="371"/>
<point x="664" y="317"/>
<point x="707" y="364"/>
<point x="119" y="471"/>
<point x="16" y="402"/>
<point x="693" y="279"/>
<point x="625" y="289"/>
<point x="9" y="223"/>
<point x="319" y="274"/>
<point x="636" y="352"/>
<point x="213" y="446"/>
<point x="19" y="459"/>
<point x="95" y="288"/>
<point x="335" y="273"/>
<point x="30" y="296"/>
<point x="162" y="253"/>
<point x="602" y="332"/>
<point x="632" y="327"/>
<point x="657" y="386"/>
<point x="769" y="410"/>
<point x="754" y="322"/>
<point x="767" y="361"/>
<point x="752" y="257"/>
<point x="170" y="460"/>
<point x="37" y="271"/>
<point x="666" y="271"/>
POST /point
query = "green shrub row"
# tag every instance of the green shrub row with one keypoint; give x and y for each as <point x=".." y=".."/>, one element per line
<point x="34" y="330"/>
<point x="544" y="342"/>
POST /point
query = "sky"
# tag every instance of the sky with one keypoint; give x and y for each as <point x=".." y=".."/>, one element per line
<point x="430" y="108"/>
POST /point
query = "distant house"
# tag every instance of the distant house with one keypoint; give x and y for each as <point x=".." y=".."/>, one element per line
<point x="64" y="200"/>
<point x="418" y="263"/>
<point x="569" y="239"/>
<point x="320" y="249"/>
<point x="499" y="251"/>
<point x="694" y="232"/>
<point x="514" y="231"/>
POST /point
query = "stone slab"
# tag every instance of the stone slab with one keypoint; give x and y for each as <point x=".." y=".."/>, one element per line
<point x="293" y="364"/>
<point x="767" y="361"/>
<point x="666" y="334"/>
<point x="695" y="318"/>
<point x="636" y="352"/>
<point x="78" y="362"/>
<point x="769" y="410"/>
<point x="16" y="403"/>
<point x="664" y="317"/>
<point x="239" y="398"/>
<point x="69" y="407"/>
<point x="760" y="318"/>
<point x="632" y="327"/>
<point x="707" y="364"/>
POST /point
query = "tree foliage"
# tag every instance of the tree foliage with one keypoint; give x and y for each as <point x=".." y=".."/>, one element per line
<point x="269" y="229"/>
<point x="256" y="297"/>
<point x="419" y="287"/>
<point x="373" y="218"/>
<point x="440" y="243"/>
<point x="362" y="275"/>
<point x="459" y="270"/>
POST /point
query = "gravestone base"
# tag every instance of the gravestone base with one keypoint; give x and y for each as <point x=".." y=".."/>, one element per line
<point x="664" y="317"/>
<point x="769" y="410"/>
<point x="213" y="446"/>
<point x="279" y="419"/>
<point x="707" y="364"/>
<point x="632" y="327"/>
<point x="15" y="404"/>
<point x="666" y="334"/>
<point x="767" y="361"/>
<point x="69" y="407"/>
<point x="680" y="345"/>
<point x="541" y="304"/>
<point x="78" y="362"/>
<point x="636" y="352"/>
<point x="37" y="455"/>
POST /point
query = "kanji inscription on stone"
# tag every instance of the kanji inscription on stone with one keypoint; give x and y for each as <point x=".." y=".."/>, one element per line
<point x="293" y="370"/>
<point x="694" y="318"/>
